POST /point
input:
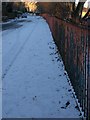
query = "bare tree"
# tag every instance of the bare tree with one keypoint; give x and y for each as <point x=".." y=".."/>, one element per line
<point x="64" y="9"/>
<point x="78" y="11"/>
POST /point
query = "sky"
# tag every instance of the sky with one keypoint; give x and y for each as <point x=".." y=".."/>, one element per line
<point x="86" y="4"/>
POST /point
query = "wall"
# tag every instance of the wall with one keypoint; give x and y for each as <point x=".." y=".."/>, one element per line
<point x="73" y="43"/>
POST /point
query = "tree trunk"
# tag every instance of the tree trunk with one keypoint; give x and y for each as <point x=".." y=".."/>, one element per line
<point x="78" y="11"/>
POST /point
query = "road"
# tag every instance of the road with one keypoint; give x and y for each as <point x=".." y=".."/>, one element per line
<point x="34" y="81"/>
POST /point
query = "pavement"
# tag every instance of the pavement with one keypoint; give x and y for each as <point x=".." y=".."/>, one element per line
<point x="34" y="81"/>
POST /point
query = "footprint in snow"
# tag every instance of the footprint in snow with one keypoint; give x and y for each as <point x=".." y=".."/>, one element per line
<point x="51" y="114"/>
<point x="58" y="60"/>
<point x="80" y="114"/>
<point x="56" y="52"/>
<point x="60" y="75"/>
<point x="65" y="73"/>
<point x="66" y="105"/>
<point x="51" y="53"/>
<point x="77" y="108"/>
<point x="34" y="98"/>
<point x="59" y="102"/>
<point x="62" y="96"/>
<point x="51" y="47"/>
<point x="69" y="90"/>
<point x="57" y="90"/>
<point x="23" y="97"/>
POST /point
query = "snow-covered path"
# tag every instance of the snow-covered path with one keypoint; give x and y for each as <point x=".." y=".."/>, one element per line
<point x="35" y="84"/>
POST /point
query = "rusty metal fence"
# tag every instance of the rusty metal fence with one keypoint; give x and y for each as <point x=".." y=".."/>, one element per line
<point x="73" y="43"/>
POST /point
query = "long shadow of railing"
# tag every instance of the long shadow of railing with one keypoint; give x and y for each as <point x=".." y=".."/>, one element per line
<point x="73" y="43"/>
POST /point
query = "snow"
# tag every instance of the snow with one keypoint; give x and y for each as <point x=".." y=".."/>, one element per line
<point x="35" y="83"/>
<point x="0" y="75"/>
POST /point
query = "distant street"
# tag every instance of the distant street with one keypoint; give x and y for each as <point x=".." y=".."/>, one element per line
<point x="13" y="24"/>
<point x="35" y="83"/>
